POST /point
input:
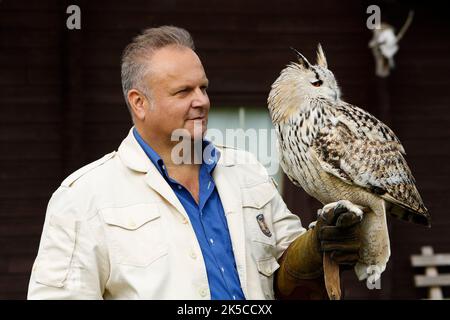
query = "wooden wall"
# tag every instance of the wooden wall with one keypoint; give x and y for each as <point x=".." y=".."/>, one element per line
<point x="61" y="104"/>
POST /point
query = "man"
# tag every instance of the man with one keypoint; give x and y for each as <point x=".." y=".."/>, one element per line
<point x="141" y="224"/>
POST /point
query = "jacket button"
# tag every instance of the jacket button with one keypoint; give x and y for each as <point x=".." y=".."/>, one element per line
<point x="203" y="292"/>
<point x="193" y="255"/>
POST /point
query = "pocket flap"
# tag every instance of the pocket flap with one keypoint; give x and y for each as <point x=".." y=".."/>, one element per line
<point x="257" y="196"/>
<point x="131" y="217"/>
<point x="268" y="266"/>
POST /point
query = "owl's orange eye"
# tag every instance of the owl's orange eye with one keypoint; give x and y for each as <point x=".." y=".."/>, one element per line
<point x="317" y="83"/>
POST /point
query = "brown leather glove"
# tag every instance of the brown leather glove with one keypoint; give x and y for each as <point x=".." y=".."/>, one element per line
<point x="336" y="231"/>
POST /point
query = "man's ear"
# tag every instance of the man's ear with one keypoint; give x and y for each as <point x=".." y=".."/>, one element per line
<point x="138" y="103"/>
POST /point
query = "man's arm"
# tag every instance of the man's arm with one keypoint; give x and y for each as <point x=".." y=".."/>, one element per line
<point x="71" y="263"/>
<point x="289" y="228"/>
<point x="302" y="289"/>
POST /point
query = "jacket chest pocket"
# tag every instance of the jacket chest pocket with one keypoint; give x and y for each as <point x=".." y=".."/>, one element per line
<point x="258" y="217"/>
<point x="135" y="234"/>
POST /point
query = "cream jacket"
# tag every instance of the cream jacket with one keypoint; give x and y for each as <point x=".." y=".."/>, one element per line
<point x="114" y="229"/>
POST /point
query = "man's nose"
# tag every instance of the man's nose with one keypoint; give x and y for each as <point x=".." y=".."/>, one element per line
<point x="200" y="98"/>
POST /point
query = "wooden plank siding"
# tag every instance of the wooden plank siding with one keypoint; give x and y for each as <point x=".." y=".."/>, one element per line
<point x="61" y="103"/>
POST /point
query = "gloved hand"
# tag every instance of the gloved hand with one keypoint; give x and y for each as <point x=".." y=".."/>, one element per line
<point x="336" y="231"/>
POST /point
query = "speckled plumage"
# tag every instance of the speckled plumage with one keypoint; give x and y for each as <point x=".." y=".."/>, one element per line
<point x="335" y="151"/>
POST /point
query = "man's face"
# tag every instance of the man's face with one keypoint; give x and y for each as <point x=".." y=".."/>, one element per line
<point x="177" y="83"/>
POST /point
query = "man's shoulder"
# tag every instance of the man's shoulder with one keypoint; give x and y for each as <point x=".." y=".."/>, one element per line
<point x="89" y="168"/>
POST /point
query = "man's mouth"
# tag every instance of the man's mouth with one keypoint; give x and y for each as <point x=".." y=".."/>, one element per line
<point x="198" y="118"/>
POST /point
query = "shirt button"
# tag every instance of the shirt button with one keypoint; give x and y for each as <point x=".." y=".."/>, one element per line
<point x="132" y="224"/>
<point x="193" y="255"/>
<point x="164" y="167"/>
<point x="222" y="269"/>
<point x="234" y="297"/>
<point x="211" y="240"/>
<point x="184" y="221"/>
<point x="203" y="292"/>
<point x="179" y="187"/>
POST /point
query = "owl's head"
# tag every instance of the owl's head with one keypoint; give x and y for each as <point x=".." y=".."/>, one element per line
<point x="299" y="82"/>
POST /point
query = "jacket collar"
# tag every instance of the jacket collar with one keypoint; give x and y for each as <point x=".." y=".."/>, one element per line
<point x="135" y="158"/>
<point x="132" y="155"/>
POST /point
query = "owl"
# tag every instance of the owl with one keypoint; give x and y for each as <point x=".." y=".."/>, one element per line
<point x="336" y="151"/>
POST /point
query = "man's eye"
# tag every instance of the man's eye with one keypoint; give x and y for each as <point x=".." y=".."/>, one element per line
<point x="182" y="91"/>
<point x="317" y="83"/>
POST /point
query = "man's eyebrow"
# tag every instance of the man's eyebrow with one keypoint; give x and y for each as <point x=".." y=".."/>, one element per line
<point x="204" y="82"/>
<point x="181" y="87"/>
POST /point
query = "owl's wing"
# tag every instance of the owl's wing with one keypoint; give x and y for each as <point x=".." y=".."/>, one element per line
<point x="361" y="150"/>
<point x="365" y="125"/>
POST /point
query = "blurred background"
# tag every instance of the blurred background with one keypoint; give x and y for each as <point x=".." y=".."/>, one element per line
<point x="61" y="103"/>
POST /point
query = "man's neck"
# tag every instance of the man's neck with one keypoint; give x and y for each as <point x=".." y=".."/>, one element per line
<point x="187" y="172"/>
<point x="175" y="154"/>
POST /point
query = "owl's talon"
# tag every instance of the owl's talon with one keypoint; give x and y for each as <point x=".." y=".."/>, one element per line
<point x="339" y="208"/>
<point x="312" y="225"/>
<point x="319" y="212"/>
<point x="343" y="206"/>
<point x="329" y="206"/>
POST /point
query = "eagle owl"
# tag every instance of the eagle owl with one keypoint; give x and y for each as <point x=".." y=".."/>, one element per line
<point x="337" y="151"/>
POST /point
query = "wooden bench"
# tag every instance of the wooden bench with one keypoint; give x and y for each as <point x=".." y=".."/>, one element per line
<point x="432" y="279"/>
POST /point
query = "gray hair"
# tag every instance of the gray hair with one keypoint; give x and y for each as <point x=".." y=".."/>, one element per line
<point x="136" y="55"/>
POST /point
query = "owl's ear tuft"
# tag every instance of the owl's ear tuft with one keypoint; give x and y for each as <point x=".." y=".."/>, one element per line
<point x="301" y="58"/>
<point x="321" y="60"/>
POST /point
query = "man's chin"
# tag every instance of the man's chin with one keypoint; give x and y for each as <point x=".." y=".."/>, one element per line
<point x="198" y="137"/>
<point x="197" y="131"/>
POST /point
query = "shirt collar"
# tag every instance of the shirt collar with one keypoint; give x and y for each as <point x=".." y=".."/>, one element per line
<point x="211" y="153"/>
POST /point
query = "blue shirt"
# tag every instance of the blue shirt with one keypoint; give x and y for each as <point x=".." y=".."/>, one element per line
<point x="210" y="225"/>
